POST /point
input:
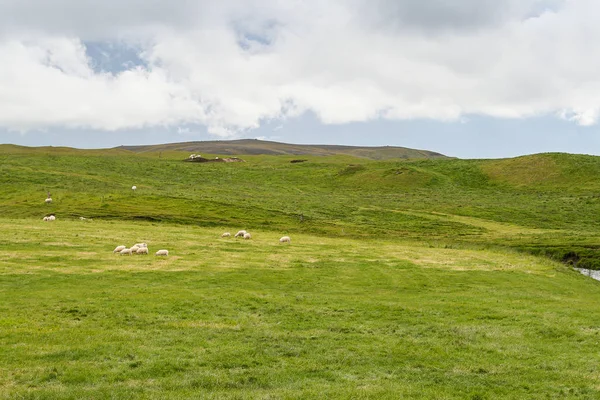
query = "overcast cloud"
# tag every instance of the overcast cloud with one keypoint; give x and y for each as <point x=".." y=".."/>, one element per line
<point x="235" y="65"/>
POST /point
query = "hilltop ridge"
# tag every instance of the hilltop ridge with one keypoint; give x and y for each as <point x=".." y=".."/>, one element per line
<point x="263" y="147"/>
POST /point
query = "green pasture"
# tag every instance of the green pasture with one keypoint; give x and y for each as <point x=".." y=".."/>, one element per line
<point x="436" y="279"/>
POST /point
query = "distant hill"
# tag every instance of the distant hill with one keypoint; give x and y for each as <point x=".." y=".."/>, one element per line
<point x="58" y="150"/>
<point x="256" y="147"/>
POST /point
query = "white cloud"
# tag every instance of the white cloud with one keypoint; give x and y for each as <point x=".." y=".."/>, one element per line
<point x="50" y="83"/>
<point x="232" y="65"/>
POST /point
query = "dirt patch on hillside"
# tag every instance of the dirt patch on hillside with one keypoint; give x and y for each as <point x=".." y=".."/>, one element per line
<point x="200" y="159"/>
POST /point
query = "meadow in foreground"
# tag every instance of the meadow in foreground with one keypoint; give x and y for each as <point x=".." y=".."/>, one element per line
<point x="320" y="318"/>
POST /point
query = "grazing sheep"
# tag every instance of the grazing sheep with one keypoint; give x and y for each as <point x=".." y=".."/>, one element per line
<point x="119" y="248"/>
<point x="247" y="236"/>
<point x="51" y="217"/>
<point x="45" y="218"/>
<point x="134" y="188"/>
<point x="125" y="251"/>
<point x="48" y="200"/>
<point x="240" y="234"/>
<point x="162" y="253"/>
<point x="226" y="234"/>
<point x="285" y="239"/>
<point x="141" y="245"/>
<point x="142" y="250"/>
<point x="134" y="248"/>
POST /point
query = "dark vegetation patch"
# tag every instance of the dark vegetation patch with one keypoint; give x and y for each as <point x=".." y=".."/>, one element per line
<point x="352" y="169"/>
<point x="576" y="256"/>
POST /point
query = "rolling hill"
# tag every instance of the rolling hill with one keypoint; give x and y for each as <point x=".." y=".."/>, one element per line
<point x="261" y="147"/>
<point x="543" y="204"/>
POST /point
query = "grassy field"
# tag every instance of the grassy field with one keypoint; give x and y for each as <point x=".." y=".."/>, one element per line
<point x="404" y="279"/>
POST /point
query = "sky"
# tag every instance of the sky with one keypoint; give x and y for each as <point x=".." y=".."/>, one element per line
<point x="466" y="78"/>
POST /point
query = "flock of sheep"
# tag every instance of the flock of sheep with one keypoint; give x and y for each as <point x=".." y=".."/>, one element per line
<point x="246" y="235"/>
<point x="142" y="248"/>
<point x="138" y="248"/>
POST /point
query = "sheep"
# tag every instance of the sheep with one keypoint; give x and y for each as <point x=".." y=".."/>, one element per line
<point x="240" y="234"/>
<point x="285" y="239"/>
<point x="226" y="234"/>
<point x="247" y="236"/>
<point x="51" y="217"/>
<point x="119" y="248"/>
<point x="134" y="188"/>
<point x="141" y="245"/>
<point x="134" y="249"/>
<point x="142" y="250"/>
<point x="125" y="251"/>
<point x="162" y="253"/>
<point x="48" y="200"/>
<point x="45" y="218"/>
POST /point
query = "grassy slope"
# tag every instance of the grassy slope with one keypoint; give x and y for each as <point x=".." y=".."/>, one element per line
<point x="553" y="196"/>
<point x="400" y="280"/>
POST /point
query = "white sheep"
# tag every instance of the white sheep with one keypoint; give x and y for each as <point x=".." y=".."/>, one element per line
<point x="134" y="188"/>
<point x="48" y="200"/>
<point x="285" y="239"/>
<point x="119" y="248"/>
<point x="134" y="249"/>
<point x="162" y="253"/>
<point x="141" y="245"/>
<point x="125" y="251"/>
<point x="142" y="250"/>
<point x="226" y="234"/>
<point x="51" y="217"/>
<point x="240" y="234"/>
<point x="247" y="236"/>
<point x="45" y="218"/>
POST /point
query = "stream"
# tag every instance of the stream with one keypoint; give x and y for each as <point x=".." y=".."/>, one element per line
<point x="590" y="272"/>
